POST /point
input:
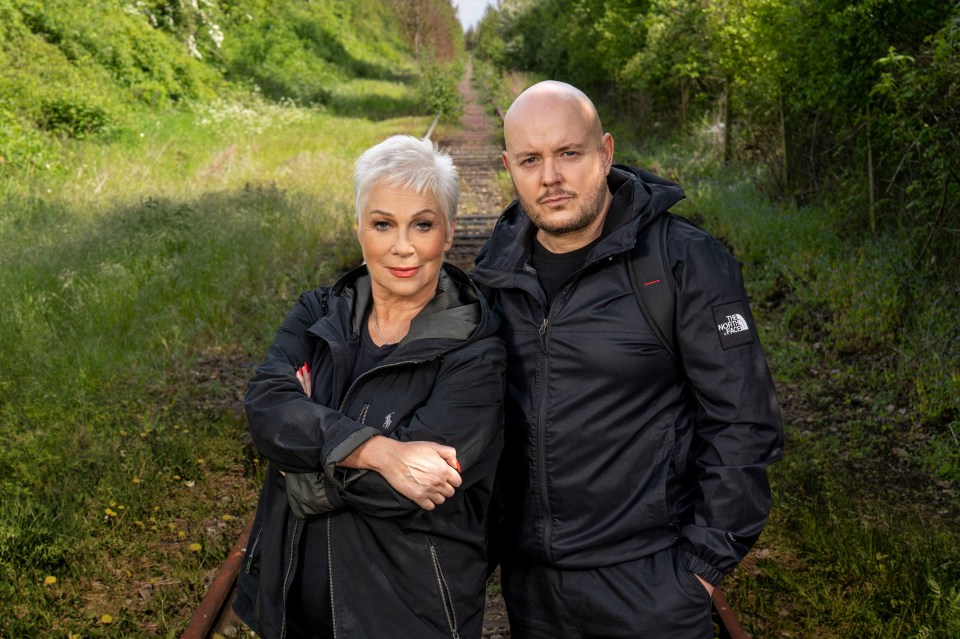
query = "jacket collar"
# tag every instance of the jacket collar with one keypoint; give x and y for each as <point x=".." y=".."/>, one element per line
<point x="456" y="314"/>
<point x="639" y="197"/>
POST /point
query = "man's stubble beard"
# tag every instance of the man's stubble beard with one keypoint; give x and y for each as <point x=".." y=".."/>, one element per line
<point x="587" y="213"/>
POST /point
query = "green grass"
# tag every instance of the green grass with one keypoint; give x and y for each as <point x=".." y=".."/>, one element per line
<point x="143" y="279"/>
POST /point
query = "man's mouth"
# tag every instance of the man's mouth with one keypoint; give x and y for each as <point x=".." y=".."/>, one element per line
<point x="555" y="199"/>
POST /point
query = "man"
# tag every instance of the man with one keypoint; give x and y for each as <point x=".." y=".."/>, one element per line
<point x="631" y="480"/>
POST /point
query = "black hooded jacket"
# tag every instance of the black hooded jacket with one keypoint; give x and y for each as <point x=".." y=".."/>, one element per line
<point x="614" y="449"/>
<point x="394" y="570"/>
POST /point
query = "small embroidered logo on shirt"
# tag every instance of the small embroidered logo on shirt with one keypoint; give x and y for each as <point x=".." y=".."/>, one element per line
<point x="387" y="421"/>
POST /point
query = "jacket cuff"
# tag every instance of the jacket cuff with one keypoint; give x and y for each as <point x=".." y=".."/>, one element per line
<point x="340" y="446"/>
<point x="701" y="568"/>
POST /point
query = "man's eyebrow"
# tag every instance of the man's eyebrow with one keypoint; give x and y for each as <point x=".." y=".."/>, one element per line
<point x="570" y="146"/>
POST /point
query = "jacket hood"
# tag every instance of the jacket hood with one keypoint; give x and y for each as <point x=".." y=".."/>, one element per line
<point x="458" y="314"/>
<point x="639" y="198"/>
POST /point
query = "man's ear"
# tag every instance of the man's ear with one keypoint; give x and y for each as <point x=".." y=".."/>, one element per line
<point x="606" y="150"/>
<point x="506" y="161"/>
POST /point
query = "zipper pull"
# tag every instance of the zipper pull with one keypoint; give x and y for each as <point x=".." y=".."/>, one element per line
<point x="543" y="334"/>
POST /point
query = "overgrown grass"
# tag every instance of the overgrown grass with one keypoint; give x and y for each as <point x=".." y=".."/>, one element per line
<point x="142" y="281"/>
<point x="863" y="540"/>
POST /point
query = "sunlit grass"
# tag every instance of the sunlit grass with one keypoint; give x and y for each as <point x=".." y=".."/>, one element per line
<point x="142" y="280"/>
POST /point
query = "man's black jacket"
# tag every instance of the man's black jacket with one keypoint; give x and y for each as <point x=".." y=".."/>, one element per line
<point x="614" y="449"/>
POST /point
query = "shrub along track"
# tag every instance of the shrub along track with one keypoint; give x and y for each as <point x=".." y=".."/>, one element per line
<point x="475" y="146"/>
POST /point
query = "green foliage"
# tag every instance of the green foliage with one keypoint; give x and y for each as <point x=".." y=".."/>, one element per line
<point x="74" y="118"/>
<point x="439" y="93"/>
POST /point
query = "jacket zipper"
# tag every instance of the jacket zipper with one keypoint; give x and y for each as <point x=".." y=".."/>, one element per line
<point x="253" y="551"/>
<point x="356" y="382"/>
<point x="294" y="534"/>
<point x="541" y="439"/>
<point x="446" y="600"/>
<point x="333" y="608"/>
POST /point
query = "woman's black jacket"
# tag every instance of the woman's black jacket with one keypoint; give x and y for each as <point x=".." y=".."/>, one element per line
<point x="395" y="570"/>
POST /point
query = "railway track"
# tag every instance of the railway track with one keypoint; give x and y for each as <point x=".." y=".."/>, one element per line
<point x="476" y="153"/>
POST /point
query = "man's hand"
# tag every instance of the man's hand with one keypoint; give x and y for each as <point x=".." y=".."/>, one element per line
<point x="706" y="585"/>
<point x="423" y="472"/>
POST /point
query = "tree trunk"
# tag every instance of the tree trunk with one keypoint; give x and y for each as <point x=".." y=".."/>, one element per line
<point x="726" y="117"/>
<point x="871" y="190"/>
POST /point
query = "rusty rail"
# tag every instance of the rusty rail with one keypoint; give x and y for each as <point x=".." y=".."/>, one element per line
<point x="214" y="610"/>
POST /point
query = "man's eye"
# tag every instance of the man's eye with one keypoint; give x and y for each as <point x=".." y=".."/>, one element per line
<point x="570" y="154"/>
<point x="528" y="161"/>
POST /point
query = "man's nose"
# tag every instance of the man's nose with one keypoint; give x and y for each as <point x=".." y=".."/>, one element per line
<point x="551" y="174"/>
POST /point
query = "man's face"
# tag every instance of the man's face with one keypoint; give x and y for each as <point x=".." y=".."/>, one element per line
<point x="558" y="162"/>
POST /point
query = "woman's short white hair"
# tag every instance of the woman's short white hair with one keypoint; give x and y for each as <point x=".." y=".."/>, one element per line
<point x="410" y="163"/>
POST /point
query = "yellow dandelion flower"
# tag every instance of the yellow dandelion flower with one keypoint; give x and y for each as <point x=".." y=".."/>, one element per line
<point x="49" y="580"/>
<point x="176" y="477"/>
<point x="123" y="433"/>
<point x="112" y="503"/>
<point x="136" y="480"/>
<point x="152" y="520"/>
<point x="186" y="430"/>
<point x="181" y="534"/>
<point x="109" y="512"/>
<point x="201" y="461"/>
<point x="138" y="523"/>
<point x="106" y="619"/>
<point x="121" y="507"/>
<point x="227" y="517"/>
<point x="195" y="547"/>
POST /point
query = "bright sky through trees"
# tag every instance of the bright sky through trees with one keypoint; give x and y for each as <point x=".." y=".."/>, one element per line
<point x="470" y="11"/>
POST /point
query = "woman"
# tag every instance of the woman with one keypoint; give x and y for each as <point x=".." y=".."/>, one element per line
<point x="379" y="408"/>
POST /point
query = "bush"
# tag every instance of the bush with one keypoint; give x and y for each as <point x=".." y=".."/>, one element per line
<point x="73" y="117"/>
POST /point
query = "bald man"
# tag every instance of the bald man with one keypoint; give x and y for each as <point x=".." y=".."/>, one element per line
<point x="632" y="480"/>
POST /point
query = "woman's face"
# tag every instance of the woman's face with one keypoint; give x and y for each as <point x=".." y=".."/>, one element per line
<point x="403" y="236"/>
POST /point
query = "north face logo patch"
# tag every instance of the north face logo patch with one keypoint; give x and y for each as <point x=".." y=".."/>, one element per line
<point x="732" y="327"/>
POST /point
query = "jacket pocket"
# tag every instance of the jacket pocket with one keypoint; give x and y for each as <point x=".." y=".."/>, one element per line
<point x="252" y="553"/>
<point x="446" y="599"/>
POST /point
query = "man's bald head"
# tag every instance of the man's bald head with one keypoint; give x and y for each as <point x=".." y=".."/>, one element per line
<point x="558" y="158"/>
<point x="548" y="97"/>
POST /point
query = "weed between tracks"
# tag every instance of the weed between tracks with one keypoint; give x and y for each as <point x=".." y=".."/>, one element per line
<point x="141" y="284"/>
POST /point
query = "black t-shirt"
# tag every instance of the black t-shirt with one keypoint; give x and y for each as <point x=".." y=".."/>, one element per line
<point x="309" y="614"/>
<point x="554" y="268"/>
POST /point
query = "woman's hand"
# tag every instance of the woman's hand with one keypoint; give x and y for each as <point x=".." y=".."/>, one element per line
<point x="423" y="472"/>
<point x="306" y="381"/>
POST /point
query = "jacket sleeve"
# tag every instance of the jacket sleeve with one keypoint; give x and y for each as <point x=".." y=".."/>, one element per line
<point x="738" y="428"/>
<point x="464" y="411"/>
<point x="287" y="426"/>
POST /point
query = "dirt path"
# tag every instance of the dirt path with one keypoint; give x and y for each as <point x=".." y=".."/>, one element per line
<point x="475" y="147"/>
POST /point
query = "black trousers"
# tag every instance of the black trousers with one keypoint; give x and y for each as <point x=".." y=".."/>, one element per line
<point x="653" y="597"/>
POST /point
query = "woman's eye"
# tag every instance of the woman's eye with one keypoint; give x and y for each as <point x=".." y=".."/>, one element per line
<point x="380" y="225"/>
<point x="424" y="226"/>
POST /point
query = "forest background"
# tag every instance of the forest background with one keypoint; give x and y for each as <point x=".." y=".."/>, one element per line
<point x="174" y="173"/>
